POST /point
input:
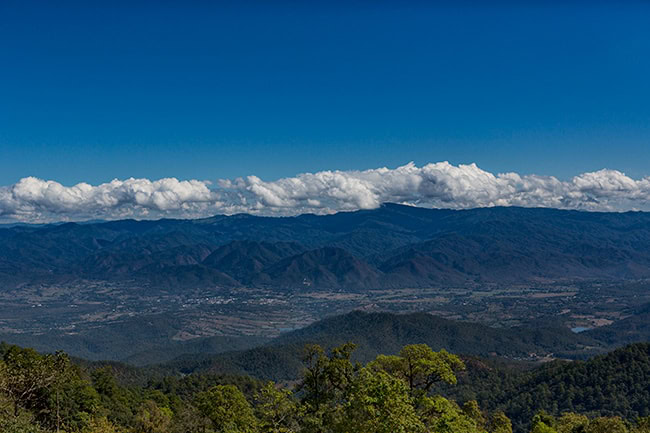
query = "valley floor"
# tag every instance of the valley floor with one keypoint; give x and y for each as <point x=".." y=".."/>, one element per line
<point x="101" y="320"/>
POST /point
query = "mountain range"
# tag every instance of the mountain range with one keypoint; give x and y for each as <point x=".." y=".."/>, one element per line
<point x="392" y="246"/>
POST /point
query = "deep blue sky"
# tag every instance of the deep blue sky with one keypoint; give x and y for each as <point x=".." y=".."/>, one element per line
<point x="213" y="90"/>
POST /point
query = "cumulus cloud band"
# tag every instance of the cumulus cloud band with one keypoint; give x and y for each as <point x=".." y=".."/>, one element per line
<point x="436" y="185"/>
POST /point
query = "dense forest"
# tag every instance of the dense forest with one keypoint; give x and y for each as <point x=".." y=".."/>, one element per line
<point x="406" y="392"/>
<point x="614" y="384"/>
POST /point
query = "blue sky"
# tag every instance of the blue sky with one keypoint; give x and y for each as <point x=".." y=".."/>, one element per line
<point x="211" y="90"/>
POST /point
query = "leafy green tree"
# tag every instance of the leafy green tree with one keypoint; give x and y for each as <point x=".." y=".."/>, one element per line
<point x="314" y="382"/>
<point x="152" y="419"/>
<point x="607" y="425"/>
<point x="542" y="427"/>
<point x="25" y="376"/>
<point x="390" y="394"/>
<point x="326" y="376"/>
<point x="473" y="411"/>
<point x="104" y="382"/>
<point x="325" y="385"/>
<point x="642" y="425"/>
<point x="445" y="416"/>
<point x="116" y="403"/>
<point x="420" y="366"/>
<point x="72" y="401"/>
<point x="228" y="410"/>
<point x="188" y="419"/>
<point x="339" y="368"/>
<point x="543" y="423"/>
<point x="572" y="423"/>
<point x="499" y="423"/>
<point x="22" y="423"/>
<point x="99" y="425"/>
<point x="378" y="403"/>
<point x="277" y="410"/>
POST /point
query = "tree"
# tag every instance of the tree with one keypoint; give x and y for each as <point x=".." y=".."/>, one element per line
<point x="117" y="404"/>
<point x="100" y="425"/>
<point x="420" y="366"/>
<point x="543" y="423"/>
<point x="25" y="376"/>
<point x="607" y="425"/>
<point x="314" y="377"/>
<point x="325" y="385"/>
<point x="542" y="427"/>
<point x="445" y="416"/>
<point x="378" y="403"/>
<point x="152" y="419"/>
<point x="228" y="410"/>
<point x="572" y="423"/>
<point x="471" y="409"/>
<point x="23" y="422"/>
<point x="499" y="423"/>
<point x="20" y="424"/>
<point x="642" y="425"/>
<point x="277" y="411"/>
<point x="71" y="403"/>
<point x="326" y="376"/>
<point x="188" y="419"/>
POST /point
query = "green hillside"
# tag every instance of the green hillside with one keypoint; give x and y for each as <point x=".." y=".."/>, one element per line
<point x="613" y="384"/>
<point x="376" y="333"/>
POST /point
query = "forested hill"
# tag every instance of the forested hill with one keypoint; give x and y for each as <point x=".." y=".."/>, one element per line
<point x="386" y="333"/>
<point x="392" y="246"/>
<point x="614" y="384"/>
<point x="375" y="333"/>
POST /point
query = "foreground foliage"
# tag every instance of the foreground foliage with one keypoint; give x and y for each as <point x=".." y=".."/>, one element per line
<point x="391" y="394"/>
<point x="613" y="385"/>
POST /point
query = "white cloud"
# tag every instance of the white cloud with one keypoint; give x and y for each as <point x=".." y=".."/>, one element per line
<point x="33" y="199"/>
<point x="439" y="185"/>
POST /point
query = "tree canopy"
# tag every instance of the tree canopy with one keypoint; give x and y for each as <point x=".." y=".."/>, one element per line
<point x="391" y="394"/>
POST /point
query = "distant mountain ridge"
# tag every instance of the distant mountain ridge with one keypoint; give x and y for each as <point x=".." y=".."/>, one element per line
<point x="392" y="246"/>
